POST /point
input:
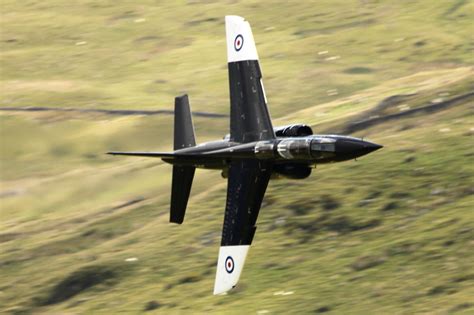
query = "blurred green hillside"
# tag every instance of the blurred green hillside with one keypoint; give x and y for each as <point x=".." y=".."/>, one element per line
<point x="86" y="233"/>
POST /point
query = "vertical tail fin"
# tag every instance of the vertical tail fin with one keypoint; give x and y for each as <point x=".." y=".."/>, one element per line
<point x="182" y="175"/>
<point x="180" y="189"/>
<point x="183" y="124"/>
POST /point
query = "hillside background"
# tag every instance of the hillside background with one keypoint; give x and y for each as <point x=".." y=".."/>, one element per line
<point x="86" y="233"/>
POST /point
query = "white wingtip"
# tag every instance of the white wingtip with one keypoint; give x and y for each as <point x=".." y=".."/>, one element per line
<point x="229" y="267"/>
<point x="240" y="42"/>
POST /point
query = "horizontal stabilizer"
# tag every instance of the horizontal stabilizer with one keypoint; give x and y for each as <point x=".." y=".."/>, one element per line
<point x="146" y="154"/>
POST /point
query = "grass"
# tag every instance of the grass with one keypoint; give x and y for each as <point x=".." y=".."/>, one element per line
<point x="390" y="233"/>
<point x="100" y="55"/>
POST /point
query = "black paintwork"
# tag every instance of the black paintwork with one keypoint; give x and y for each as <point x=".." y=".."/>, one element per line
<point x="183" y="124"/>
<point x="297" y="130"/>
<point x="247" y="182"/>
<point x="250" y="155"/>
<point x="180" y="189"/>
<point x="182" y="174"/>
<point x="291" y="171"/>
<point x="249" y="118"/>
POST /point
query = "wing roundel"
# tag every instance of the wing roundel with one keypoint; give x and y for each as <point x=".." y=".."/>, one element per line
<point x="240" y="42"/>
<point x="249" y="117"/>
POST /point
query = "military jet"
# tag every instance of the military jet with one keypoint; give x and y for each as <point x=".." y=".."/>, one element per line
<point x="253" y="153"/>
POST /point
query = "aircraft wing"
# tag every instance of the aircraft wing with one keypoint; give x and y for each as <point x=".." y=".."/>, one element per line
<point x="249" y="117"/>
<point x="247" y="182"/>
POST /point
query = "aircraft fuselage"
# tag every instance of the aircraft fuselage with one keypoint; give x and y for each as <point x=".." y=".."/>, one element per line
<point x="309" y="150"/>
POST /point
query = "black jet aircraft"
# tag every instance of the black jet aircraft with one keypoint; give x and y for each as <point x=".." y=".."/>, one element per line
<point x="253" y="153"/>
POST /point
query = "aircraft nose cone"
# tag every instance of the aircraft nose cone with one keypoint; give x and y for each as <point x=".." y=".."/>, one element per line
<point x="371" y="147"/>
<point x="348" y="146"/>
<point x="352" y="148"/>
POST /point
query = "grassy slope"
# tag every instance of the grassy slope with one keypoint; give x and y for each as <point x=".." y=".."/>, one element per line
<point x="113" y="55"/>
<point x="391" y="233"/>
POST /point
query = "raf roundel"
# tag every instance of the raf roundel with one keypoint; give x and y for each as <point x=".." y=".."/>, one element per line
<point x="238" y="42"/>
<point x="229" y="264"/>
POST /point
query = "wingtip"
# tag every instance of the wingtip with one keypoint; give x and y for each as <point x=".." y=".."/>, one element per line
<point x="219" y="290"/>
<point x="229" y="267"/>
<point x="229" y="18"/>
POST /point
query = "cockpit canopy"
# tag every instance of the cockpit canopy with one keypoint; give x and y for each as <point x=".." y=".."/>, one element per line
<point x="306" y="148"/>
<point x="323" y="144"/>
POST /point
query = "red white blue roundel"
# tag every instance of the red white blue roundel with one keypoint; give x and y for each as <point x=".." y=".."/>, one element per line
<point x="229" y="264"/>
<point x="238" y="42"/>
